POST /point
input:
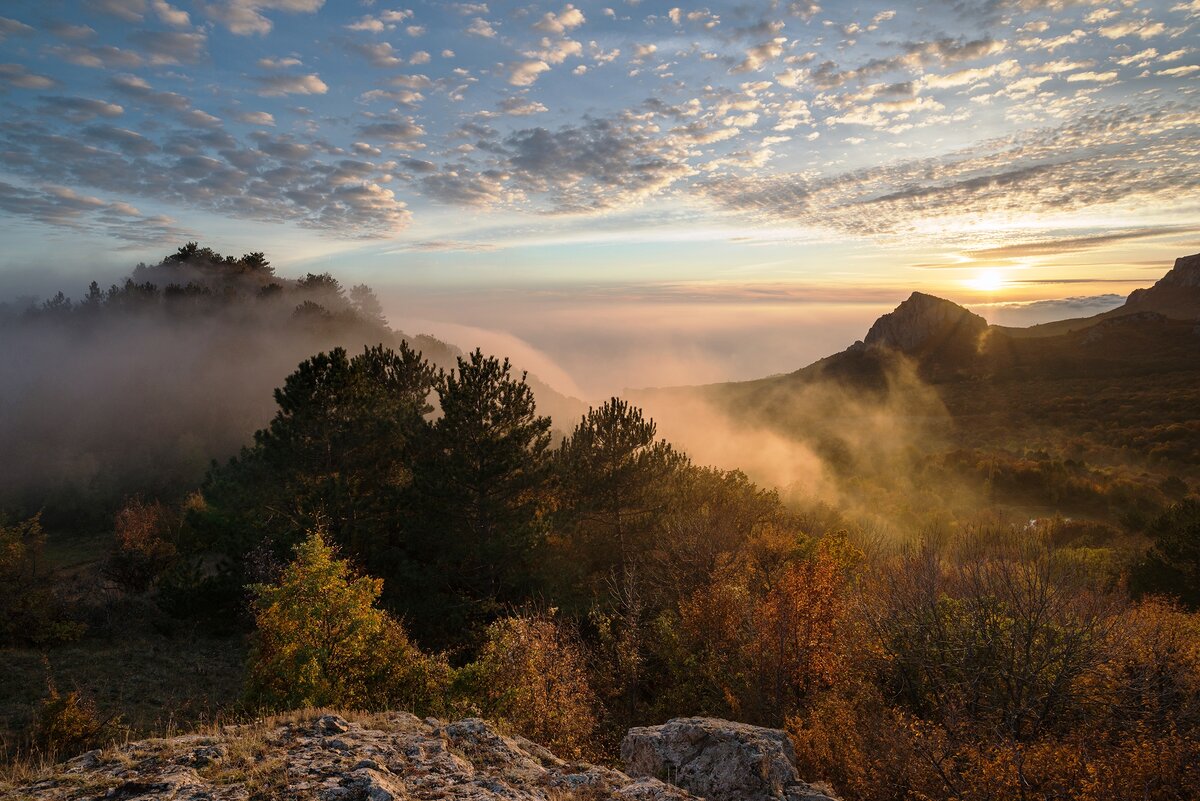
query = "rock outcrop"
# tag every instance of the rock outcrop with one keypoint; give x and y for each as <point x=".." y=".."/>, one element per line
<point x="1176" y="294"/>
<point x="925" y="321"/>
<point x="719" y="760"/>
<point x="396" y="757"/>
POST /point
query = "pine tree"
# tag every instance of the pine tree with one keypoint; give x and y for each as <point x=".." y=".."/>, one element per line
<point x="613" y="472"/>
<point x="481" y="486"/>
<point x="337" y="454"/>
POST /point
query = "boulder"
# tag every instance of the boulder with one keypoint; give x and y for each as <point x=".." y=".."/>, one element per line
<point x="719" y="760"/>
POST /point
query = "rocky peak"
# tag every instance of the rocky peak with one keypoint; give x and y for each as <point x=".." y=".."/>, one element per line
<point x="1176" y="294"/>
<point x="1185" y="273"/>
<point x="923" y="321"/>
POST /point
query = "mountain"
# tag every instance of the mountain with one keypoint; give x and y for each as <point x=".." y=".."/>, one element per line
<point x="924" y="323"/>
<point x="1155" y="330"/>
<point x="1086" y="416"/>
<point x="1176" y="296"/>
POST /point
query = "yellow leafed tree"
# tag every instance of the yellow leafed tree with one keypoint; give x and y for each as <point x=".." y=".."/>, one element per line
<point x="321" y="641"/>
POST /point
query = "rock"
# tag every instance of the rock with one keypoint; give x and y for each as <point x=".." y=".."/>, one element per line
<point x="332" y="724"/>
<point x="924" y="320"/>
<point x="1176" y="294"/>
<point x="718" y="760"/>
<point x="1185" y="273"/>
<point x="85" y="761"/>
<point x="393" y="757"/>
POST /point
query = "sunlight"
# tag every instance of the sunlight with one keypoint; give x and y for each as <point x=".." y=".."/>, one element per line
<point x="987" y="281"/>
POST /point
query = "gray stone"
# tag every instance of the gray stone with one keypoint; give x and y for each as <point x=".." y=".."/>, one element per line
<point x="398" y="757"/>
<point x="718" y="759"/>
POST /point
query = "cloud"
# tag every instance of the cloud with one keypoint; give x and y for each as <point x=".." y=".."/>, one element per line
<point x="401" y="133"/>
<point x="558" y="24"/>
<point x="377" y="55"/>
<point x="170" y="15"/>
<point x="439" y="245"/>
<point x="137" y="88"/>
<point x="128" y="10"/>
<point x="600" y="165"/>
<point x="519" y="106"/>
<point x="16" y="75"/>
<point x="245" y="17"/>
<point x="1179" y="71"/>
<point x="169" y="47"/>
<point x="61" y="206"/>
<point x="70" y="32"/>
<point x="274" y="85"/>
<point x="277" y="179"/>
<point x="1004" y="69"/>
<point x="123" y="139"/>
<point x="1099" y="161"/>
<point x="1045" y="311"/>
<point x="256" y="118"/>
<point x="1053" y="247"/>
<point x="524" y="73"/>
<point x="97" y="56"/>
<point x="481" y="27"/>
<point x="278" y="63"/>
<point x="1141" y="29"/>
<point x="80" y="109"/>
<point x="1093" y="77"/>
<point x="13" y="27"/>
<point x="465" y="187"/>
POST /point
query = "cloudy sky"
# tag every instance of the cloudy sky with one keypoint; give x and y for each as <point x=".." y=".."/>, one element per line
<point x="749" y="182"/>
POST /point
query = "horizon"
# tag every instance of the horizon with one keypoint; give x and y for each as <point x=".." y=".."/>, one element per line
<point x="650" y="190"/>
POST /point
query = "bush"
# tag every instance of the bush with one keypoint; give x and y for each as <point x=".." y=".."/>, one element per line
<point x="142" y="548"/>
<point x="30" y="612"/>
<point x="532" y="675"/>
<point x="66" y="723"/>
<point x="321" y="641"/>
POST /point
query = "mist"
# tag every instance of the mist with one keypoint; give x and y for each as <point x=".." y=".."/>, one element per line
<point x="592" y="343"/>
<point x="92" y="405"/>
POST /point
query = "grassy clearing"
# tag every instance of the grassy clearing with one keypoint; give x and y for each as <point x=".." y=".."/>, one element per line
<point x="148" y="684"/>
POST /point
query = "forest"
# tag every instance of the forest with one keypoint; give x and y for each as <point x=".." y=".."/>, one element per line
<point x="401" y="525"/>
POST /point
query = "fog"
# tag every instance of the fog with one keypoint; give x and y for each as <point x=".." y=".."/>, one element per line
<point x="592" y="344"/>
<point x="90" y="407"/>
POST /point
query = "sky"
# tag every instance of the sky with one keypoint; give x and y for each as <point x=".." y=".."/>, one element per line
<point x="628" y="193"/>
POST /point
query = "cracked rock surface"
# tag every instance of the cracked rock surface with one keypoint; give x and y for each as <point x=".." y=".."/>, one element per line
<point x="399" y="757"/>
<point x="720" y="760"/>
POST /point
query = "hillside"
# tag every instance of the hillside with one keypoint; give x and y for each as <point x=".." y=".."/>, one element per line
<point x="1176" y="295"/>
<point x="1083" y="405"/>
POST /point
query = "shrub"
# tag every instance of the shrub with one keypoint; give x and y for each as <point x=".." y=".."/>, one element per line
<point x="65" y="723"/>
<point x="321" y="641"/>
<point x="30" y="611"/>
<point x="532" y="675"/>
<point x="142" y="548"/>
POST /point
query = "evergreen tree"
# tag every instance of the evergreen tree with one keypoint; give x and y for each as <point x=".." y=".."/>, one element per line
<point x="481" y="487"/>
<point x="338" y="454"/>
<point x="613" y="473"/>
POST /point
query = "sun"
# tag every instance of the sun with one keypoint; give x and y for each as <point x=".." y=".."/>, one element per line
<point x="987" y="281"/>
